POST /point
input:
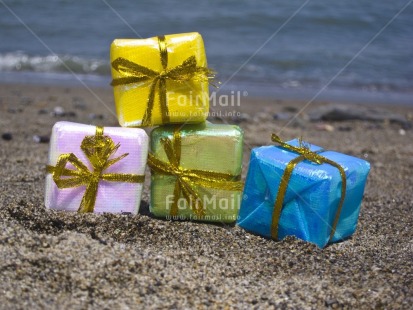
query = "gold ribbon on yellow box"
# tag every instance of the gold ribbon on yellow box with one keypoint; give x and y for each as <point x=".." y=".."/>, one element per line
<point x="186" y="179"/>
<point x="98" y="149"/>
<point x="134" y="73"/>
<point x="305" y="154"/>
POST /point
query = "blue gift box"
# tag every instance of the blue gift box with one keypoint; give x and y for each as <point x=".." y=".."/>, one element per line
<point x="312" y="197"/>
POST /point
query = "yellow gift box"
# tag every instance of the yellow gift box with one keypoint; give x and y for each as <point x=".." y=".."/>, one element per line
<point x="160" y="80"/>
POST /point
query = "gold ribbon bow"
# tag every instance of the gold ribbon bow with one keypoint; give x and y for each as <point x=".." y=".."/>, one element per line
<point x="98" y="149"/>
<point x="305" y="154"/>
<point x="136" y="73"/>
<point x="186" y="179"/>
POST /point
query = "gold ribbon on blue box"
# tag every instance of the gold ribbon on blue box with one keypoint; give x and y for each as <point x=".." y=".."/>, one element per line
<point x="160" y="80"/>
<point x="302" y="190"/>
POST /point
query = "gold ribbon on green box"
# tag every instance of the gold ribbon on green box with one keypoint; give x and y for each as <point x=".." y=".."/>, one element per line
<point x="187" y="71"/>
<point x="98" y="149"/>
<point x="187" y="179"/>
<point x="305" y="154"/>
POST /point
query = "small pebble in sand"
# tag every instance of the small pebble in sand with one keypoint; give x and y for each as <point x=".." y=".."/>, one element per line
<point x="243" y="117"/>
<point x="58" y="111"/>
<point x="95" y="116"/>
<point x="345" y="128"/>
<point x="26" y="101"/>
<point x="260" y="116"/>
<point x="282" y="116"/>
<point x="7" y="136"/>
<point x="290" y="109"/>
<point x="324" y="127"/>
<point x="41" y="139"/>
<point x="14" y="111"/>
<point x="70" y="114"/>
<point x="79" y="103"/>
<point x="402" y="132"/>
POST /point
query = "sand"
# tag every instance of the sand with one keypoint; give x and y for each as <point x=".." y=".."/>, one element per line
<point x="61" y="260"/>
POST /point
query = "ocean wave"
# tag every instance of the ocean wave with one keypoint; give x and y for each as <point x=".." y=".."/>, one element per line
<point x="20" y="61"/>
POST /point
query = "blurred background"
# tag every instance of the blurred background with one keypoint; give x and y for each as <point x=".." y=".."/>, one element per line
<point x="285" y="49"/>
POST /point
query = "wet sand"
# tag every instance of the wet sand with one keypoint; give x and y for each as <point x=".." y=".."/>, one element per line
<point x="61" y="260"/>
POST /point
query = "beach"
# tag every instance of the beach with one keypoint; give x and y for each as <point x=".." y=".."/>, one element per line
<point x="59" y="260"/>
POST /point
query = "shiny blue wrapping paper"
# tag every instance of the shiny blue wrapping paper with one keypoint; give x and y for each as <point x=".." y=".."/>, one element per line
<point x="312" y="197"/>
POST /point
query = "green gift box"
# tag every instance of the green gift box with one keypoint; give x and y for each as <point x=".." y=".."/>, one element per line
<point x="196" y="172"/>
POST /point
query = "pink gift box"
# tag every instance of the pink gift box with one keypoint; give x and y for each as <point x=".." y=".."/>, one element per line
<point x="112" y="196"/>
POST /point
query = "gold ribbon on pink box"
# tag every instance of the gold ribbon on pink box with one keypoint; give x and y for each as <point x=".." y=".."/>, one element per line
<point x="98" y="149"/>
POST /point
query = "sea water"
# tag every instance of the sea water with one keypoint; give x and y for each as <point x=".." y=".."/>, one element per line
<point x="316" y="49"/>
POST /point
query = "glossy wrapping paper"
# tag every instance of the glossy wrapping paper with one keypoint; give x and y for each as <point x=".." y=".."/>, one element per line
<point x="187" y="102"/>
<point x="312" y="196"/>
<point x="206" y="146"/>
<point x="113" y="197"/>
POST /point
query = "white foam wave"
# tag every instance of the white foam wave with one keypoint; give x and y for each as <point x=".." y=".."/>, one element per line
<point x="20" y="61"/>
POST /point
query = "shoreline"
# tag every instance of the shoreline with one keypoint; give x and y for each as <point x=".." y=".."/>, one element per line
<point x="248" y="106"/>
<point x="253" y="90"/>
<point x="61" y="260"/>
